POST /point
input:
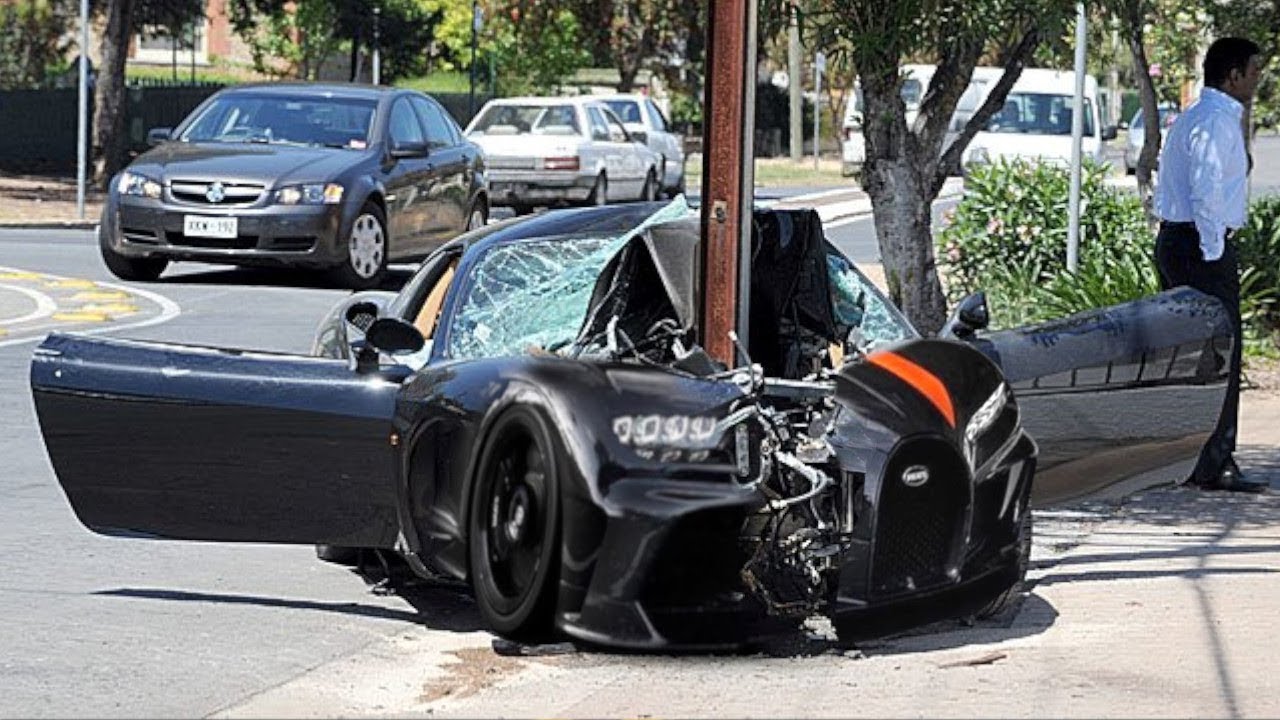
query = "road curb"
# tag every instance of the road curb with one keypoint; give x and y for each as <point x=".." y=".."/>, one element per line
<point x="51" y="225"/>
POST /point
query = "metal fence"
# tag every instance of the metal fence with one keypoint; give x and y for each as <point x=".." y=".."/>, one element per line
<point x="38" y="127"/>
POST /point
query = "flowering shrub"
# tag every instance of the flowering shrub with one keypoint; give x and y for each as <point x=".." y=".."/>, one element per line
<point x="1008" y="236"/>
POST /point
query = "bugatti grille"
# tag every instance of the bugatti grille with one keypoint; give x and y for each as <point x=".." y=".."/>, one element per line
<point x="919" y="528"/>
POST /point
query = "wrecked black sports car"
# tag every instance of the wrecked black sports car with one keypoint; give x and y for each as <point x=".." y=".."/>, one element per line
<point x="531" y="413"/>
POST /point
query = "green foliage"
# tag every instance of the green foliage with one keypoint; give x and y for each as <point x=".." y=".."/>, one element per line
<point x="535" y="50"/>
<point x="1009" y="234"/>
<point x="1258" y="245"/>
<point x="32" y="41"/>
<point x="441" y="82"/>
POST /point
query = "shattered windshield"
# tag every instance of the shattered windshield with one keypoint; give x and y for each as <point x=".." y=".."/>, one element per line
<point x="528" y="295"/>
<point x="533" y="295"/>
<point x="880" y="322"/>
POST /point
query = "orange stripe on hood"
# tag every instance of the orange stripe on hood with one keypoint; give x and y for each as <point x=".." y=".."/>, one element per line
<point x="925" y="382"/>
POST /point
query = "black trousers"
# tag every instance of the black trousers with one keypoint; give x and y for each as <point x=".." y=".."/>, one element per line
<point x="1181" y="262"/>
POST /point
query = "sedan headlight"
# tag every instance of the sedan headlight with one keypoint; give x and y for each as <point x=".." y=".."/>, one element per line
<point x="137" y="185"/>
<point x="311" y="194"/>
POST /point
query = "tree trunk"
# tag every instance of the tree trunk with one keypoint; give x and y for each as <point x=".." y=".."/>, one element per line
<point x="898" y="177"/>
<point x="109" y="97"/>
<point x="1151" y="113"/>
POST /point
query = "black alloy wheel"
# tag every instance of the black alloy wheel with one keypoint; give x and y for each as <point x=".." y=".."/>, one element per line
<point x="1009" y="597"/>
<point x="514" y="526"/>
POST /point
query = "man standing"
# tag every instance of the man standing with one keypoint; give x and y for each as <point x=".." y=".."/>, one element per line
<point x="1201" y="199"/>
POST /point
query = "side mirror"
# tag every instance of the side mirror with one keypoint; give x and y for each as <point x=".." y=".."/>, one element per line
<point x="393" y="336"/>
<point x="1109" y="132"/>
<point x="969" y="317"/>
<point x="641" y="136"/>
<point x="402" y="150"/>
<point x="155" y="136"/>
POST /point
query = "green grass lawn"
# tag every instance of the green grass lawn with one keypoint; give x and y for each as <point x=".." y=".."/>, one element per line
<point x="782" y="172"/>
<point x="440" y="82"/>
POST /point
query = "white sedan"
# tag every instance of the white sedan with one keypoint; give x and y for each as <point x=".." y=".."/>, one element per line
<point x="543" y="151"/>
<point x="642" y="117"/>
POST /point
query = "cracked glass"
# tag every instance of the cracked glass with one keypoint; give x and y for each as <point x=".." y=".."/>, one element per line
<point x="532" y="296"/>
<point x="881" y="324"/>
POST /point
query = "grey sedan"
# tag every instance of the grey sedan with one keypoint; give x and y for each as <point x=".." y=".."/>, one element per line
<point x="342" y="178"/>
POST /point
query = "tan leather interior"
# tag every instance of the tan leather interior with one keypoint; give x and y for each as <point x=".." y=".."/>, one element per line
<point x="429" y="315"/>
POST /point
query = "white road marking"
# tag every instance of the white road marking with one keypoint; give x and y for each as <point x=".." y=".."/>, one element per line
<point x="45" y="306"/>
<point x="168" y="310"/>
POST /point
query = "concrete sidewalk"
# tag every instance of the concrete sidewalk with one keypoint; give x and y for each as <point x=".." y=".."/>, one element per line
<point x="1162" y="604"/>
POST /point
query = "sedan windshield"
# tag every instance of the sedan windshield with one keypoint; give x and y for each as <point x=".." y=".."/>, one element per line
<point x="281" y="119"/>
<point x="526" y="120"/>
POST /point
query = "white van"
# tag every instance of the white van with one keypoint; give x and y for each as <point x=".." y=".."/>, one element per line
<point x="1035" y="122"/>
<point x="853" y="145"/>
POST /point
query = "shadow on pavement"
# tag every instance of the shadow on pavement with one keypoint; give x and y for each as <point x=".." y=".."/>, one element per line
<point x="435" y="608"/>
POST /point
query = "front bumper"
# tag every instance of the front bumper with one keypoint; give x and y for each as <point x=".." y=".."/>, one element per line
<point x="296" y="235"/>
<point x="510" y="187"/>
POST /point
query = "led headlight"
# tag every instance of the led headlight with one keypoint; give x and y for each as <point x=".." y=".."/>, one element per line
<point x="676" y="438"/>
<point x="137" y="185"/>
<point x="312" y="194"/>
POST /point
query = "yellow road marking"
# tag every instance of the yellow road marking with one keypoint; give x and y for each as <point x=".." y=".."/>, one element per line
<point x="97" y="295"/>
<point x="19" y="276"/>
<point x="3" y="332"/>
<point x="71" y="283"/>
<point x="75" y="316"/>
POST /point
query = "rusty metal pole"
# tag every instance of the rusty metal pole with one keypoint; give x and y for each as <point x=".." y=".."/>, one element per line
<point x="728" y="174"/>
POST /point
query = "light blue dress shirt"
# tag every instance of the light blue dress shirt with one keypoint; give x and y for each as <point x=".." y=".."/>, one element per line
<point x="1204" y="169"/>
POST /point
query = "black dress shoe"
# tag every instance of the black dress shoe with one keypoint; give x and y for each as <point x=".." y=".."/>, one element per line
<point x="1232" y="480"/>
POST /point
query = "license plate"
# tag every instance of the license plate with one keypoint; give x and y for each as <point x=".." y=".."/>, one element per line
<point x="209" y="227"/>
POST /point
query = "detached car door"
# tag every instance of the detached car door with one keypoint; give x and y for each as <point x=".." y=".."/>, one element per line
<point x="200" y="443"/>
<point x="1118" y="392"/>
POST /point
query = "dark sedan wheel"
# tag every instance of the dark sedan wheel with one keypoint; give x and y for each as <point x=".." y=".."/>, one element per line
<point x="366" y="250"/>
<point x="127" y="268"/>
<point x="514" y="528"/>
<point x="599" y="192"/>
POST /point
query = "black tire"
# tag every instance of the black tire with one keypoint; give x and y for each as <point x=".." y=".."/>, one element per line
<point x="339" y="554"/>
<point x="124" y="267"/>
<point x="649" y="192"/>
<point x="1009" y="597"/>
<point x="679" y="189"/>
<point x="477" y="216"/>
<point x="599" y="192"/>
<point x="366" y="247"/>
<point x="514" y="526"/>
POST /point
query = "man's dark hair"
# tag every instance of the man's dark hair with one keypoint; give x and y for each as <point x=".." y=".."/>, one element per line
<point x="1227" y="54"/>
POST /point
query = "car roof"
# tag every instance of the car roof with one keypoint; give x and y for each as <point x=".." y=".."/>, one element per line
<point x="331" y="89"/>
<point x="546" y="100"/>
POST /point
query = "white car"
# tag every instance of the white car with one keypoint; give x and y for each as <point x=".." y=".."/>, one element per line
<point x="643" y="118"/>
<point x="1035" y="122"/>
<point x="1137" y="134"/>
<point x="543" y="151"/>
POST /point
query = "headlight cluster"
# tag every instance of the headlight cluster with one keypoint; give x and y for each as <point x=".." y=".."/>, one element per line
<point x="669" y="438"/>
<point x="137" y="185"/>
<point x="311" y="194"/>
